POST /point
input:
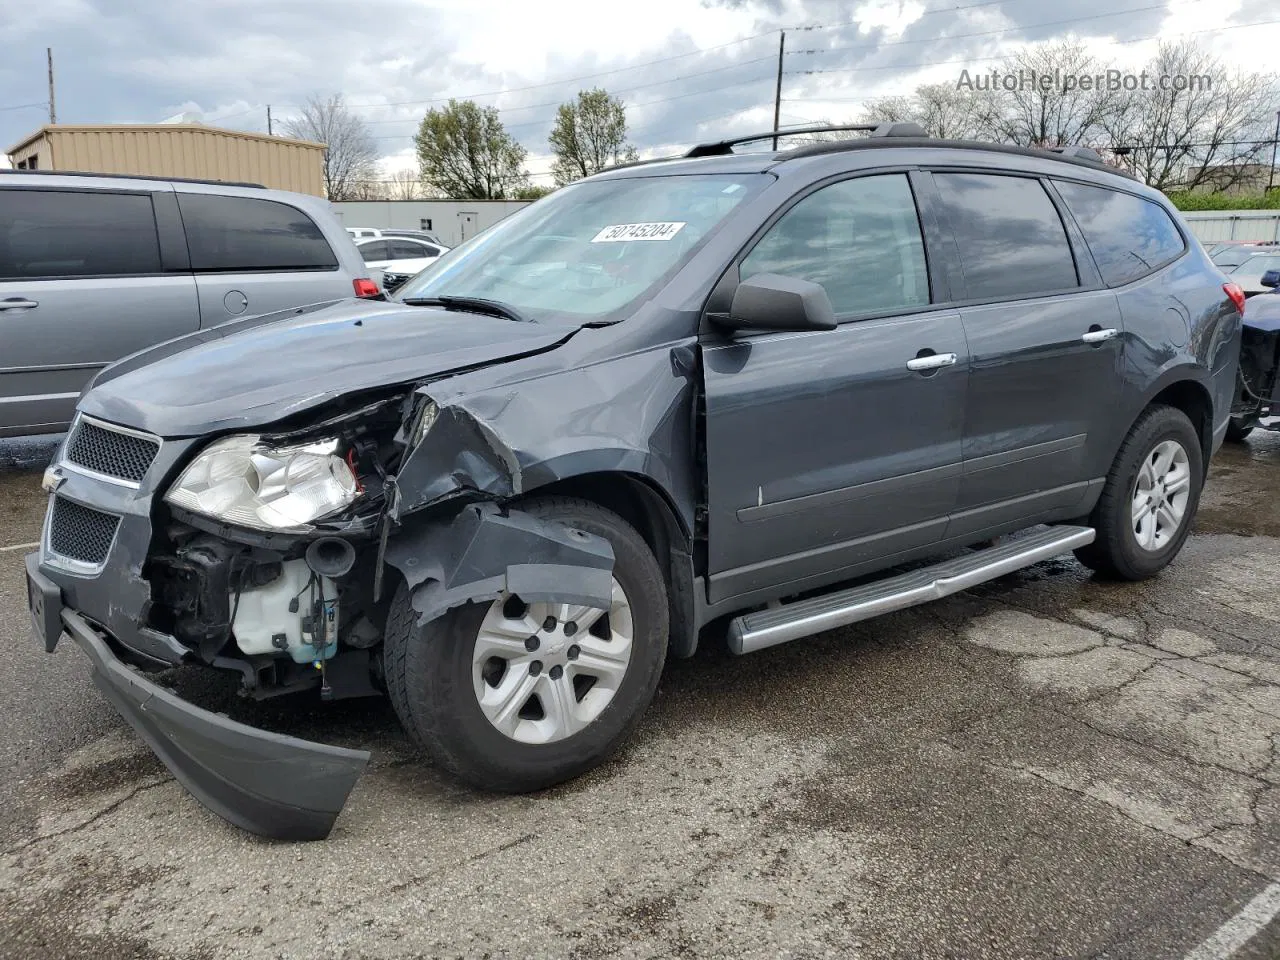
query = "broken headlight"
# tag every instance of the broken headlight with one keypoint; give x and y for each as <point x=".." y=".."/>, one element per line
<point x="244" y="481"/>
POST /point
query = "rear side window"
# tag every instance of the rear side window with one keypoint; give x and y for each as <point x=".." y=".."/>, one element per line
<point x="1128" y="236"/>
<point x="47" y="234"/>
<point x="1011" y="240"/>
<point x="411" y="250"/>
<point x="243" y="234"/>
<point x="859" y="239"/>
<point x="374" y="250"/>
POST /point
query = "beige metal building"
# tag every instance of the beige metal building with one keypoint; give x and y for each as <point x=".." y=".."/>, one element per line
<point x="175" y="150"/>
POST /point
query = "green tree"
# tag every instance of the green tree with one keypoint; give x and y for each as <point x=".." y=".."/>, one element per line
<point x="532" y="191"/>
<point x="466" y="153"/>
<point x="590" y="134"/>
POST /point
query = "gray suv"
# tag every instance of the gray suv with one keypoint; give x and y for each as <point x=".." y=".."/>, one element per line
<point x="94" y="267"/>
<point x="782" y="391"/>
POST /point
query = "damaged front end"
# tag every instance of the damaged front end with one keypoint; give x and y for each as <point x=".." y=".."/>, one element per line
<point x="226" y="553"/>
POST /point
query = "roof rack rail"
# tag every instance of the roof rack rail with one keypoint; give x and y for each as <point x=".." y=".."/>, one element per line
<point x="1079" y="153"/>
<point x="132" y="176"/>
<point x="722" y="148"/>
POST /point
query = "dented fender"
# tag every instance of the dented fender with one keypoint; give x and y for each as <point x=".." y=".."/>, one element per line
<point x="484" y="551"/>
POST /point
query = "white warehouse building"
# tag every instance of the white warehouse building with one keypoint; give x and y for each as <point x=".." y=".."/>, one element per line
<point x="453" y="221"/>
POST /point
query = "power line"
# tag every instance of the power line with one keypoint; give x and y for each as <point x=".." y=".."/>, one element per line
<point x="939" y="63"/>
<point x="25" y="106"/>
<point x="987" y="33"/>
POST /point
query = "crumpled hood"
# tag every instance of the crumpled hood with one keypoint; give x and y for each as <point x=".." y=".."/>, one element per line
<point x="255" y="372"/>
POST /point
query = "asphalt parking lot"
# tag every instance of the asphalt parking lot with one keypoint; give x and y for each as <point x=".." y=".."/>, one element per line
<point x="1048" y="766"/>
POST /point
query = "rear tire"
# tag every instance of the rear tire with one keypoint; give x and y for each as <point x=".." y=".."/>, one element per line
<point x="1150" y="498"/>
<point x="1238" y="428"/>
<point x="464" y="717"/>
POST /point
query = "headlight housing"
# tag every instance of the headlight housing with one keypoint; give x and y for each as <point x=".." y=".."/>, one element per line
<point x="242" y="480"/>
<point x="426" y="420"/>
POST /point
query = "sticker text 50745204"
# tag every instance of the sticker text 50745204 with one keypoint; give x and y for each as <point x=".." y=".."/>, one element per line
<point x="638" y="231"/>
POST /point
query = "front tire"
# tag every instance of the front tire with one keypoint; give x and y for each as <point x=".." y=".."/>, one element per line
<point x="1150" y="498"/>
<point x="510" y="701"/>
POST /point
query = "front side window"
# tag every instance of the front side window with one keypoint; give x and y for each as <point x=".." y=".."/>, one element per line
<point x="859" y="240"/>
<point x="590" y="249"/>
<point x="1128" y="236"/>
<point x="233" y="234"/>
<point x="47" y="234"/>
<point x="1010" y="239"/>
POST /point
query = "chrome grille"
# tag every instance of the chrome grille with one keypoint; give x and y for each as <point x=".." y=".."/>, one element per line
<point x="81" y="533"/>
<point x="110" y="452"/>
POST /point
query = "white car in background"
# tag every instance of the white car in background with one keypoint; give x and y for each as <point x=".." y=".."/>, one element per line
<point x="1249" y="272"/>
<point x="398" y="258"/>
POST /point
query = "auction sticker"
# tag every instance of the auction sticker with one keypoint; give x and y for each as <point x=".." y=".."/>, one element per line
<point x="638" y="231"/>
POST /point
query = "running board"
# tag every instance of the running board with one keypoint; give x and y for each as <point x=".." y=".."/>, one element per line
<point x="767" y="628"/>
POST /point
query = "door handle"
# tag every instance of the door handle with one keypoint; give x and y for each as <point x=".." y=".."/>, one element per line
<point x="1097" y="336"/>
<point x="931" y="362"/>
<point x="17" y="303"/>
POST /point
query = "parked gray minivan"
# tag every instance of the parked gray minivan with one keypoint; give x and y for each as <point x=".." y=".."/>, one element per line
<point x="94" y="267"/>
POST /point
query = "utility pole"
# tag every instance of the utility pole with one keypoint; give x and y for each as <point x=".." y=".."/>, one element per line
<point x="777" y="93"/>
<point x="1276" y="140"/>
<point x="53" y="109"/>
<point x="269" y="130"/>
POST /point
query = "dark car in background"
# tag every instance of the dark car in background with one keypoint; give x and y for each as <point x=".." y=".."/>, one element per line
<point x="786" y="390"/>
<point x="95" y="267"/>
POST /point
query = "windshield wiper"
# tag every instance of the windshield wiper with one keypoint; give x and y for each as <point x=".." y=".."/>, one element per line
<point x="495" y="308"/>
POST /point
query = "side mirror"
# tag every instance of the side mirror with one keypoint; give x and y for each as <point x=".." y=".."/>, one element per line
<point x="1271" y="279"/>
<point x="770" y="301"/>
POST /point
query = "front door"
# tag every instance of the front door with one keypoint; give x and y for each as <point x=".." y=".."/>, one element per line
<point x="1045" y="351"/>
<point x="81" y="284"/>
<point x="828" y="451"/>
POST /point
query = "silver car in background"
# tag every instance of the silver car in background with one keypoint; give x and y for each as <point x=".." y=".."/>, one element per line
<point x="95" y="267"/>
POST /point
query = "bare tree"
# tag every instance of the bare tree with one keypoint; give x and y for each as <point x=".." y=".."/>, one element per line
<point x="405" y="185"/>
<point x="1050" y="103"/>
<point x="350" y="150"/>
<point x="946" y="111"/>
<point x="1187" y="133"/>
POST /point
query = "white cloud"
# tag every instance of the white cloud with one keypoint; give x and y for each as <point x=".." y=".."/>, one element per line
<point x="228" y="59"/>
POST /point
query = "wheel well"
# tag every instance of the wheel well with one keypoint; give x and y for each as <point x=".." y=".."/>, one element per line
<point x="648" y="510"/>
<point x="1193" y="400"/>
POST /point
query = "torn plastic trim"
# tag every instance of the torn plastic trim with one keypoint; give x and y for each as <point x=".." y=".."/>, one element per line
<point x="484" y="552"/>
<point x="266" y="783"/>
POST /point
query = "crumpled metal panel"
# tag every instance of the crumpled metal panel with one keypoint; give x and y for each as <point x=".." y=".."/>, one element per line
<point x="483" y="552"/>
<point x="631" y="414"/>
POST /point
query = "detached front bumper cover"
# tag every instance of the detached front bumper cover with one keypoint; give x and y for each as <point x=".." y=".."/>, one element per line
<point x="267" y="783"/>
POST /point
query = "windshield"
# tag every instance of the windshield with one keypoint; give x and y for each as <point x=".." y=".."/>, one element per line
<point x="1231" y="258"/>
<point x="588" y="250"/>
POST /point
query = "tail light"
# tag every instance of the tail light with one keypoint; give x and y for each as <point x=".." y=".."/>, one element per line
<point x="365" y="287"/>
<point x="1233" y="291"/>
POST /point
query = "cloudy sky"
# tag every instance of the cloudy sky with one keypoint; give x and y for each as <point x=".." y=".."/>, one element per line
<point x="687" y="70"/>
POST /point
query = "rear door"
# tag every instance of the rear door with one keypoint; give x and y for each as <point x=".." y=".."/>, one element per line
<point x="1045" y="342"/>
<point x="826" y="451"/>
<point x="86" y="277"/>
<point x="253" y="255"/>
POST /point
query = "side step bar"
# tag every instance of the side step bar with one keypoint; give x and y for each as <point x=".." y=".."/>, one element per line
<point x="767" y="628"/>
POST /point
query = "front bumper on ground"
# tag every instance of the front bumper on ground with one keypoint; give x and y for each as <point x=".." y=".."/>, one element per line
<point x="267" y="783"/>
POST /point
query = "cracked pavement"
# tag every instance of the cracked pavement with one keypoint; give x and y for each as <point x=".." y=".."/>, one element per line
<point x="1049" y="765"/>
